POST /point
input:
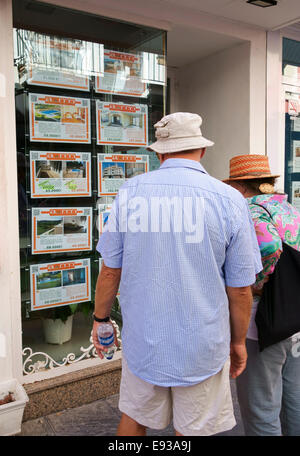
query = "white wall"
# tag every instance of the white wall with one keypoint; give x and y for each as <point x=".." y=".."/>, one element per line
<point x="10" y="302"/>
<point x="218" y="88"/>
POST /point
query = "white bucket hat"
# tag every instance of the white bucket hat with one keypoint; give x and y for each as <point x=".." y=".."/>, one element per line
<point x="178" y="132"/>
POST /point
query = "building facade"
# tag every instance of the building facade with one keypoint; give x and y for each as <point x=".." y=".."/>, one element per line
<point x="81" y="85"/>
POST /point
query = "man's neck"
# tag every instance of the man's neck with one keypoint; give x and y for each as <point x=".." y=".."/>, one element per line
<point x="195" y="155"/>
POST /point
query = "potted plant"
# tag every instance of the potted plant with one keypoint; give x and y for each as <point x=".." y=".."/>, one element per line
<point x="13" y="399"/>
<point x="57" y="323"/>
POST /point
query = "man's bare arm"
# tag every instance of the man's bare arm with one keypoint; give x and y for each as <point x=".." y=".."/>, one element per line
<point x="106" y="290"/>
<point x="240" y="304"/>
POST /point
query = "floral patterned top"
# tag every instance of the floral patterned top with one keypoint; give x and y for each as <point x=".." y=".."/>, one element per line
<point x="284" y="226"/>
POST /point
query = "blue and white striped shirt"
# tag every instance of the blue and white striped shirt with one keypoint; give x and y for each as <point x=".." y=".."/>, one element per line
<point x="176" y="327"/>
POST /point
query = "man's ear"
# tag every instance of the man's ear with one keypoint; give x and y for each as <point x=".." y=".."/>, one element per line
<point x="161" y="157"/>
<point x="203" y="152"/>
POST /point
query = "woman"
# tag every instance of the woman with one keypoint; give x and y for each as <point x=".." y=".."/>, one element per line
<point x="269" y="388"/>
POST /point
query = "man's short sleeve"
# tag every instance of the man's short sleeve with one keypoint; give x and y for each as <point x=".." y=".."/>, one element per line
<point x="110" y="244"/>
<point x="243" y="258"/>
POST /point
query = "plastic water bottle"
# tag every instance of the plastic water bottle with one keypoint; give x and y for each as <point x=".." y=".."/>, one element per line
<point x="105" y="334"/>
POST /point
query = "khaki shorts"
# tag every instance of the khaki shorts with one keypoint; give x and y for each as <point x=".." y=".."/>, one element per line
<point x="202" y="409"/>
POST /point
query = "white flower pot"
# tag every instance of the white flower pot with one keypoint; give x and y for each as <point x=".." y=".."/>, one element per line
<point x="56" y="331"/>
<point x="11" y="414"/>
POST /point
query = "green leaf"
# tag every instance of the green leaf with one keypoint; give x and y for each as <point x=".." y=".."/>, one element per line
<point x="73" y="308"/>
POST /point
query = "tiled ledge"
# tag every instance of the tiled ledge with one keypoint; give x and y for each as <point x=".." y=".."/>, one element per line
<point x="72" y="390"/>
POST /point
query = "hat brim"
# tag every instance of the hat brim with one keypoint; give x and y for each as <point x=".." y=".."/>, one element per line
<point x="169" y="146"/>
<point x="261" y="176"/>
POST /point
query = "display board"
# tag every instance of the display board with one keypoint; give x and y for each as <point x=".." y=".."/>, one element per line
<point x="59" y="119"/>
<point x="103" y="214"/>
<point x="115" y="169"/>
<point x="60" y="174"/>
<point x="122" y="75"/>
<point x="60" y="283"/>
<point x="61" y="229"/>
<point x="122" y="124"/>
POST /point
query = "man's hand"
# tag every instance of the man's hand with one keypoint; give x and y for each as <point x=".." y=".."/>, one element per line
<point x="100" y="348"/>
<point x="238" y="359"/>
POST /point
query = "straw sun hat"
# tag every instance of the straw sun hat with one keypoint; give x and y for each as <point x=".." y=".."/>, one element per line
<point x="244" y="167"/>
<point x="179" y="132"/>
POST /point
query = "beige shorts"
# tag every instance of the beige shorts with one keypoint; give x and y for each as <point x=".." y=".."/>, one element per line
<point x="202" y="409"/>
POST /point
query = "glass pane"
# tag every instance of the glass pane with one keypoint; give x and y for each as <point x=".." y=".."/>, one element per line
<point x="88" y="92"/>
<point x="291" y="72"/>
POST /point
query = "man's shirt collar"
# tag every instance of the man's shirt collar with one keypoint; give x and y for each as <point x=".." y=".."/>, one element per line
<point x="183" y="163"/>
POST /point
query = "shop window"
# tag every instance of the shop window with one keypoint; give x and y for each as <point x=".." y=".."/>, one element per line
<point x="291" y="80"/>
<point x="88" y="92"/>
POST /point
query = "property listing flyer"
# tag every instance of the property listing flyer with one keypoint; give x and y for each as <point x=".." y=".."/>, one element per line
<point x="60" y="283"/>
<point x="61" y="229"/>
<point x="296" y="156"/>
<point x="296" y="195"/>
<point x="122" y="75"/>
<point x="55" y="61"/>
<point x="59" y="119"/>
<point x="60" y="174"/>
<point x="114" y="170"/>
<point x="103" y="214"/>
<point x="61" y="79"/>
<point x="296" y="124"/>
<point x="122" y="124"/>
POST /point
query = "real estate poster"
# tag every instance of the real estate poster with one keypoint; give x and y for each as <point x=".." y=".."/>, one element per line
<point x="53" y="78"/>
<point x="60" y="174"/>
<point x="59" y="119"/>
<point x="103" y="214"/>
<point x="61" y="229"/>
<point x="115" y="169"/>
<point x="60" y="283"/>
<point x="55" y="61"/>
<point x="296" y="124"/>
<point x="296" y="195"/>
<point x="122" y="124"/>
<point x="296" y="156"/>
<point x="122" y="75"/>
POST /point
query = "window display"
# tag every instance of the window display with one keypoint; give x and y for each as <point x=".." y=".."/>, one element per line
<point x="60" y="174"/>
<point x="85" y="116"/>
<point x="113" y="170"/>
<point x="59" y="119"/>
<point x="61" y="283"/>
<point x="61" y="229"/>
<point x="122" y="75"/>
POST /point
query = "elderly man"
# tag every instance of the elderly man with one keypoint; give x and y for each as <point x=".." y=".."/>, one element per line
<point x="184" y="248"/>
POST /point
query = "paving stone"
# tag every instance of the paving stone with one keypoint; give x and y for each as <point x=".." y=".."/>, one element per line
<point x="96" y="418"/>
<point x="40" y="426"/>
<point x="113" y="401"/>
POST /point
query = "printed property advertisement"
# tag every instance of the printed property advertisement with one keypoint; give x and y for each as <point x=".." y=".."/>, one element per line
<point x="122" y="124"/>
<point x="61" y="229"/>
<point x="60" y="174"/>
<point x="114" y="170"/>
<point x="296" y="195"/>
<point x="60" y="283"/>
<point x="55" y="61"/>
<point x="61" y="79"/>
<point x="296" y="156"/>
<point x="59" y="119"/>
<point x="122" y="75"/>
<point x="103" y="214"/>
